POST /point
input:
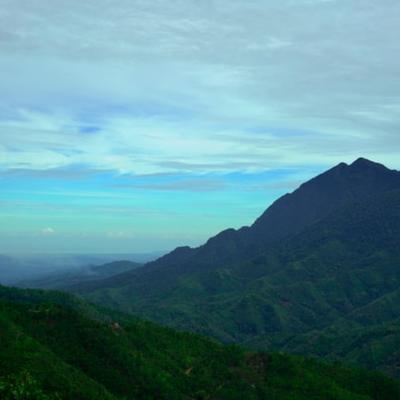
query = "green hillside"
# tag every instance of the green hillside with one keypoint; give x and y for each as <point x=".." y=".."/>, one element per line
<point x="53" y="346"/>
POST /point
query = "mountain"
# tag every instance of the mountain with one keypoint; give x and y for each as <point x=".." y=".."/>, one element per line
<point x="27" y="269"/>
<point x="312" y="201"/>
<point x="290" y="214"/>
<point x="87" y="273"/>
<point x="320" y="264"/>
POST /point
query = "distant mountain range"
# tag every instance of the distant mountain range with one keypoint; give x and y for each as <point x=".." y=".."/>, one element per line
<point x="72" y="276"/>
<point x="317" y="273"/>
<point x="43" y="269"/>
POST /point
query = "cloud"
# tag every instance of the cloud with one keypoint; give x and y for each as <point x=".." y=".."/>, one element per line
<point x="287" y="185"/>
<point x="199" y="185"/>
<point x="186" y="86"/>
<point x="48" y="231"/>
<point x="67" y="174"/>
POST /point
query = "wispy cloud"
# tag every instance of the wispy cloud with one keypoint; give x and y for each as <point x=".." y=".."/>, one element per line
<point x="154" y="87"/>
<point x="199" y="185"/>
<point x="48" y="231"/>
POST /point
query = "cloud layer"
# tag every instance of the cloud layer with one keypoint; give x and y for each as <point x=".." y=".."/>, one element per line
<point x="125" y="119"/>
<point x="149" y="87"/>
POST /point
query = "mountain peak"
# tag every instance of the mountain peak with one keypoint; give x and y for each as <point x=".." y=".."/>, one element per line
<point x="323" y="194"/>
<point x="365" y="163"/>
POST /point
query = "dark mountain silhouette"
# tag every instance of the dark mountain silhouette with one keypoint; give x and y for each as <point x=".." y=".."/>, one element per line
<point x="312" y="201"/>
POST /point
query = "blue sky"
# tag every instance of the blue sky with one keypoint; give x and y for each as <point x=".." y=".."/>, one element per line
<point x="131" y="126"/>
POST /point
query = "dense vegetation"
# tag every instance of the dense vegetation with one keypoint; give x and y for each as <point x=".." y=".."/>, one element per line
<point x="54" y="346"/>
<point x="318" y="273"/>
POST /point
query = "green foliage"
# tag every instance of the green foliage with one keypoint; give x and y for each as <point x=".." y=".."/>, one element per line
<point x="51" y="347"/>
<point x="22" y="387"/>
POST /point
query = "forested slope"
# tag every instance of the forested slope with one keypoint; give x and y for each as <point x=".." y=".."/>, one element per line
<point x="54" y="346"/>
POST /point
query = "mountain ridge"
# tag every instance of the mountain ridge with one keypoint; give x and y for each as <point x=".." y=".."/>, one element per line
<point x="324" y="269"/>
<point x="268" y="228"/>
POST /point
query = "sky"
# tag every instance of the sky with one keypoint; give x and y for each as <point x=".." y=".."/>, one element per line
<point x="136" y="125"/>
